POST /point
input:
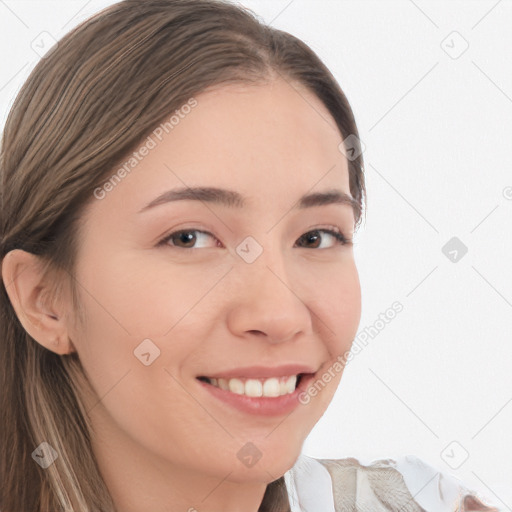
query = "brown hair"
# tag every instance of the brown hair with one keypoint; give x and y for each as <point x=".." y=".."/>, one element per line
<point x="85" y="106"/>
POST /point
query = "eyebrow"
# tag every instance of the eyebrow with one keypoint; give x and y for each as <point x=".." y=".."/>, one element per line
<point x="232" y="199"/>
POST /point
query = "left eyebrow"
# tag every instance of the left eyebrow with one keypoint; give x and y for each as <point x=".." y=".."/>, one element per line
<point x="232" y="199"/>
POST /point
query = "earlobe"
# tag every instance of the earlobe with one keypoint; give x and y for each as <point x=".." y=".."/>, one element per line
<point x="31" y="300"/>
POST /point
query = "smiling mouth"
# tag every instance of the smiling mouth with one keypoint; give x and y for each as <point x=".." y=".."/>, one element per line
<point x="262" y="387"/>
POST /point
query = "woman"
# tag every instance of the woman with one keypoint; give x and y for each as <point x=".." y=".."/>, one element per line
<point x="179" y="286"/>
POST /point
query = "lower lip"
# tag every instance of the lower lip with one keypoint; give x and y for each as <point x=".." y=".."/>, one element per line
<point x="264" y="405"/>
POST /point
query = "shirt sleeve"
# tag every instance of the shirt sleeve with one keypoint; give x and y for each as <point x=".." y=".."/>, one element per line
<point x="437" y="490"/>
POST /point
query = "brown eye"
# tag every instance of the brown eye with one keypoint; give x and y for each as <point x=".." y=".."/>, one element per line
<point x="190" y="238"/>
<point x="313" y="239"/>
<point x="187" y="238"/>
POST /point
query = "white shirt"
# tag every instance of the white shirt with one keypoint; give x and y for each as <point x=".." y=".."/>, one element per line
<point x="406" y="482"/>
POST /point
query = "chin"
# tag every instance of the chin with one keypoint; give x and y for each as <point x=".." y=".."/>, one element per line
<point x="259" y="460"/>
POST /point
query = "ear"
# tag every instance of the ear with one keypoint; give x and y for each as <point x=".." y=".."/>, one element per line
<point x="33" y="302"/>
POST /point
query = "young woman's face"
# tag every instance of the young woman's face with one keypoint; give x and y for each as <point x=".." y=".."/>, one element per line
<point x="258" y="284"/>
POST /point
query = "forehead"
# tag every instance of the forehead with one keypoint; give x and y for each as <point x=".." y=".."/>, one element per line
<point x="271" y="142"/>
<point x="266" y="128"/>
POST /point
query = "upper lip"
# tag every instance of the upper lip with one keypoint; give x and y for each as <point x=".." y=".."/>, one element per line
<point x="263" y="371"/>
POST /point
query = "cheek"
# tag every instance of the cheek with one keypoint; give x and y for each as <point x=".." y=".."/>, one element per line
<point x="143" y="400"/>
<point x="144" y="295"/>
<point x="127" y="302"/>
<point x="339" y="308"/>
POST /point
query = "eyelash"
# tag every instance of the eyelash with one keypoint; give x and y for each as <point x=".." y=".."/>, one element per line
<point x="334" y="232"/>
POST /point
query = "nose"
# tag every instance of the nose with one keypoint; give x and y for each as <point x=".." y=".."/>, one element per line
<point x="266" y="304"/>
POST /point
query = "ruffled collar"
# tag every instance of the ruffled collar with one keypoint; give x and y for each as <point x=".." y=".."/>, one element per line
<point x="406" y="480"/>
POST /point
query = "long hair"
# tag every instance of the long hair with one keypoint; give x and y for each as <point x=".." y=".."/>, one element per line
<point x="86" y="105"/>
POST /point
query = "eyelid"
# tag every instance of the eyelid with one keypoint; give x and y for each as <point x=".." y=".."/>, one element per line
<point x="332" y="230"/>
<point x="164" y="241"/>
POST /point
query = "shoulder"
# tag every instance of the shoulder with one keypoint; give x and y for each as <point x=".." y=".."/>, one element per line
<point x="405" y="483"/>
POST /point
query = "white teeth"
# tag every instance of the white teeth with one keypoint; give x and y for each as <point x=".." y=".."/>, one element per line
<point x="223" y="384"/>
<point x="236" y="386"/>
<point x="290" y="383"/>
<point x="271" y="387"/>
<point x="253" y="387"/>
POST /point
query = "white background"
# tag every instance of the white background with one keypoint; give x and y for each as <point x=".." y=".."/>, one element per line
<point x="437" y="127"/>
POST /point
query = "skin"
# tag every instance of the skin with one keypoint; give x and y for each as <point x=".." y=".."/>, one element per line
<point x="162" y="442"/>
